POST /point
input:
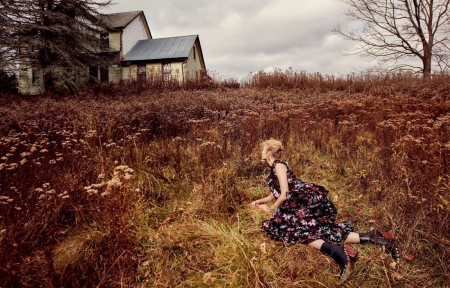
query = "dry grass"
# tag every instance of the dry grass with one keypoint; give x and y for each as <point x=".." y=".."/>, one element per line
<point x="177" y="214"/>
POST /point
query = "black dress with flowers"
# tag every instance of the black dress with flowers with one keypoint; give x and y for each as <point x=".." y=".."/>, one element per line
<point x="306" y="215"/>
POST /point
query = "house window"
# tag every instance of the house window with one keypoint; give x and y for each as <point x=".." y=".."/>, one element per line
<point x="104" y="74"/>
<point x="104" y="38"/>
<point x="34" y="76"/>
<point x="142" y="72"/>
<point x="167" y="71"/>
<point x="93" y="74"/>
<point x="194" y="53"/>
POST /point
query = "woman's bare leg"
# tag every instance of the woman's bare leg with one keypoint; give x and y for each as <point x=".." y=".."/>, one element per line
<point x="316" y="244"/>
<point x="352" y="238"/>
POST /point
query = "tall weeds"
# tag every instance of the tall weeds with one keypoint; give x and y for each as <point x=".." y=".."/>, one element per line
<point x="150" y="188"/>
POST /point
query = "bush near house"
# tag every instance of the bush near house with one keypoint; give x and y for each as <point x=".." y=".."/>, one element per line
<point x="149" y="188"/>
<point x="8" y="83"/>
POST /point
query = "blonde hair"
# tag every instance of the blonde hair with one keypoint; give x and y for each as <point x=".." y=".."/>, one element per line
<point x="273" y="146"/>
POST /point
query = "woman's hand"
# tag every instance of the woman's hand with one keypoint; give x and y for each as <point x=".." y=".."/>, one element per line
<point x="254" y="203"/>
<point x="264" y="207"/>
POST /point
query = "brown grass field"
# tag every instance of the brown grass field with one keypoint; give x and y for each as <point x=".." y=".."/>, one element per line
<point x="148" y="185"/>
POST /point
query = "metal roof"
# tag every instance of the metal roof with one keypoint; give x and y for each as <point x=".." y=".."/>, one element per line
<point x="162" y="48"/>
<point x="118" y="20"/>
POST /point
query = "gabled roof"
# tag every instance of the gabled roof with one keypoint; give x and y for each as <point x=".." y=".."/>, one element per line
<point x="118" y="20"/>
<point x="162" y="48"/>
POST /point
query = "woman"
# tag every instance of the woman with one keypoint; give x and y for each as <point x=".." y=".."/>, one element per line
<point x="303" y="213"/>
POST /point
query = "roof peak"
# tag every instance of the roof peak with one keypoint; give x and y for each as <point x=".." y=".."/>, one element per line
<point x="125" y="12"/>
<point x="196" y="35"/>
<point x="118" y="20"/>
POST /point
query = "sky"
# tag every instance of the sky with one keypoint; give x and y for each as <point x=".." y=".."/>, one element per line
<point x="242" y="36"/>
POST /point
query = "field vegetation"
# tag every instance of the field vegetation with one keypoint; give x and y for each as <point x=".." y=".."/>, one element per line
<point x="148" y="184"/>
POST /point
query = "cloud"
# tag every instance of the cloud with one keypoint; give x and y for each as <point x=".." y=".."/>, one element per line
<point x="240" y="36"/>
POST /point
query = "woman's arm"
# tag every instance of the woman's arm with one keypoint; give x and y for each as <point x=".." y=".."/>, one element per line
<point x="281" y="170"/>
<point x="263" y="200"/>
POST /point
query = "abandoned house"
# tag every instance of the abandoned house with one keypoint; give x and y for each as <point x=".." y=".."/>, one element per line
<point x="136" y="54"/>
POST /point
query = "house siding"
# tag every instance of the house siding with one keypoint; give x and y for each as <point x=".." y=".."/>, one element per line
<point x="193" y="64"/>
<point x="177" y="71"/>
<point x="115" y="74"/>
<point x="115" y="41"/>
<point x="26" y="87"/>
<point x="134" y="32"/>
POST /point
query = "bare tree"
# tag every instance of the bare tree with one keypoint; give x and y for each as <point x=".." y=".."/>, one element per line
<point x="52" y="35"/>
<point x="396" y="31"/>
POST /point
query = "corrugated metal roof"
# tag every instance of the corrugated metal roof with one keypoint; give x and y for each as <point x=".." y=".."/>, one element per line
<point x="118" y="20"/>
<point x="162" y="48"/>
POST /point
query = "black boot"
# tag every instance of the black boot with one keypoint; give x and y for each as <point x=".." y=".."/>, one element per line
<point x="382" y="239"/>
<point x="339" y="255"/>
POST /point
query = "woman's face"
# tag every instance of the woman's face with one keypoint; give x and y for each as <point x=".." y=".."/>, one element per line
<point x="265" y="153"/>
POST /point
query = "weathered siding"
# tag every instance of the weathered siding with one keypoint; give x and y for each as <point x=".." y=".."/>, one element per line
<point x="193" y="64"/>
<point x="131" y="72"/>
<point x="82" y="77"/>
<point x="26" y="87"/>
<point x="115" y="41"/>
<point x="177" y="71"/>
<point x="125" y="73"/>
<point x="115" y="74"/>
<point x="134" y="32"/>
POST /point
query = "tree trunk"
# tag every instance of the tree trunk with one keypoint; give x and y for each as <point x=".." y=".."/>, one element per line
<point x="426" y="60"/>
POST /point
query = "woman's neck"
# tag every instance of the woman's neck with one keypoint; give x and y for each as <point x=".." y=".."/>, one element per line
<point x="270" y="160"/>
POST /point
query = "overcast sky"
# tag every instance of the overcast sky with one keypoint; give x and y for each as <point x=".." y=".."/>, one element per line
<point x="243" y="36"/>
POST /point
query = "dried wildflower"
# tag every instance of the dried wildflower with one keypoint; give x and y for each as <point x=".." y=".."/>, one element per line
<point x="60" y="159"/>
<point x="4" y="198"/>
<point x="101" y="176"/>
<point x="3" y="166"/>
<point x="42" y="197"/>
<point x="46" y="185"/>
<point x="39" y="190"/>
<point x="25" y="154"/>
<point x="92" y="191"/>
<point x="43" y="151"/>
<point x="38" y="163"/>
<point x="12" y="166"/>
<point x="18" y="208"/>
<point x="207" y="144"/>
<point x="4" y="158"/>
<point x="65" y="193"/>
<point x="114" y="182"/>
<point x="99" y="185"/>
<point x="52" y="161"/>
<point x="23" y="161"/>
<point x="51" y="192"/>
<point x="65" y="197"/>
<point x="33" y="149"/>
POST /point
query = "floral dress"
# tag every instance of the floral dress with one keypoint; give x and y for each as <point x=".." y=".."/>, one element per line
<point x="306" y="214"/>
